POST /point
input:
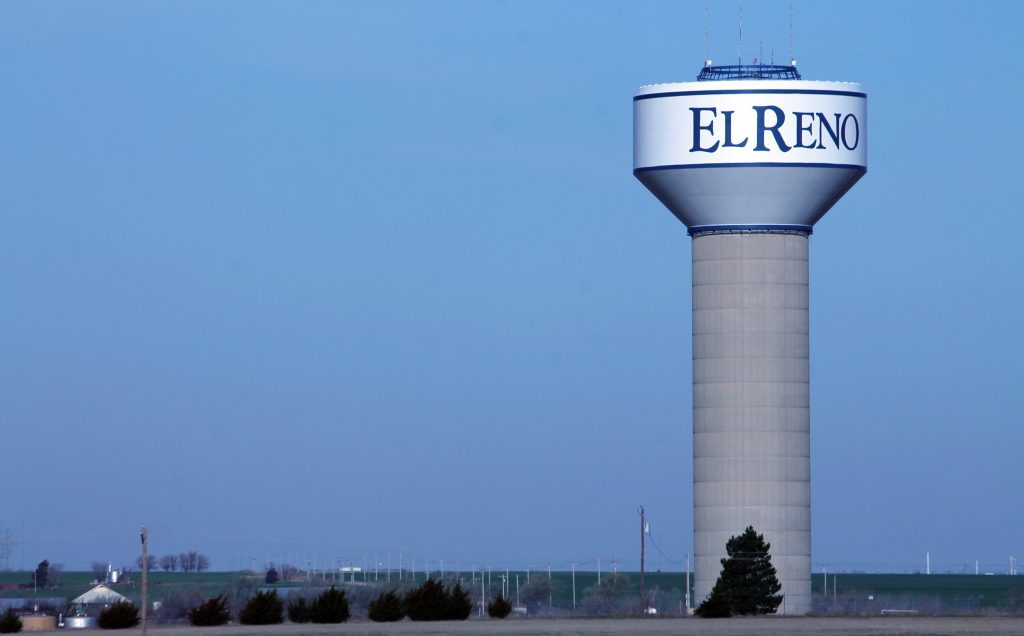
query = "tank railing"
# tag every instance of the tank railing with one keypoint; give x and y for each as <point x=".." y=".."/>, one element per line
<point x="748" y="71"/>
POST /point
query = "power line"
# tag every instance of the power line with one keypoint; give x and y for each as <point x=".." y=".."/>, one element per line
<point x="664" y="556"/>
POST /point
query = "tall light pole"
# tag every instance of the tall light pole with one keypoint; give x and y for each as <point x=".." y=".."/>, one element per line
<point x="145" y="571"/>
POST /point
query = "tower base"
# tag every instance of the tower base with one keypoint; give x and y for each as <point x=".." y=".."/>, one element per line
<point x="751" y="404"/>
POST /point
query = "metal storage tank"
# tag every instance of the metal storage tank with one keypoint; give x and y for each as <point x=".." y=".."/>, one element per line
<point x="749" y="158"/>
<point x="79" y="621"/>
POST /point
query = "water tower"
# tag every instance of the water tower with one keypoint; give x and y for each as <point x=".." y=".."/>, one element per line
<point x="749" y="158"/>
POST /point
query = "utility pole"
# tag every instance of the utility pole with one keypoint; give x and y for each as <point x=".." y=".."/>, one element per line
<point x="687" y="582"/>
<point x="550" y="604"/>
<point x="643" y="531"/>
<point x="573" y="587"/>
<point x="145" y="572"/>
<point x="6" y="547"/>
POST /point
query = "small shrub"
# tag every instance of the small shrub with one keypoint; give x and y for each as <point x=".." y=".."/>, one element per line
<point x="213" y="611"/>
<point x="10" y="623"/>
<point x="271" y="576"/>
<point x="262" y="608"/>
<point x="386" y="608"/>
<point x="499" y="607"/>
<point x="298" y="610"/>
<point x="330" y="607"/>
<point x="120" y="615"/>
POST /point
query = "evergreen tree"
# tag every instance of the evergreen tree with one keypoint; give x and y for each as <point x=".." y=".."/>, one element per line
<point x="386" y="608"/>
<point x="718" y="604"/>
<point x="10" y="622"/>
<point x="748" y="584"/>
<point x="459" y="605"/>
<point x="262" y="608"/>
<point x="428" y="602"/>
<point x="298" y="610"/>
<point x="211" y="612"/>
<point x="499" y="607"/>
<point x="432" y="602"/>
<point x="120" y="615"/>
<point x="330" y="607"/>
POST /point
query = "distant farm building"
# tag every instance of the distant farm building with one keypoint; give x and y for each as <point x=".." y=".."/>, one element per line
<point x="99" y="595"/>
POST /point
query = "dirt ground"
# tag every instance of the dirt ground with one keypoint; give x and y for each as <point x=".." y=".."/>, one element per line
<point x="876" y="626"/>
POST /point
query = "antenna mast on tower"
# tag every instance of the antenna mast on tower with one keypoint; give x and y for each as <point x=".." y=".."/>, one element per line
<point x="739" y="45"/>
<point x="707" y="60"/>
<point x="792" y="60"/>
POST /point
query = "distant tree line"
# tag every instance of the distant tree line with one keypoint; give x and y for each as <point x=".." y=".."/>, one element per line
<point x="191" y="561"/>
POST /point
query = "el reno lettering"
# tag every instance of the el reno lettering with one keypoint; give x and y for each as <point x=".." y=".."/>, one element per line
<point x="773" y="129"/>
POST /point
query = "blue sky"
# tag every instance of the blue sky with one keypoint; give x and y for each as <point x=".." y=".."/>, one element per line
<point x="322" y="280"/>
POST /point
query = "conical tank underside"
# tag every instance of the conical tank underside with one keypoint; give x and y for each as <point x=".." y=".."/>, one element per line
<point x="749" y="196"/>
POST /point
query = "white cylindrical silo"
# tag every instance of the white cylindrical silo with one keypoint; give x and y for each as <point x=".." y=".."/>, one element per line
<point x="749" y="164"/>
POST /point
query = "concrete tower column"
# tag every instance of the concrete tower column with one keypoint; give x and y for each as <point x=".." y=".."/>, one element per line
<point x="751" y="404"/>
